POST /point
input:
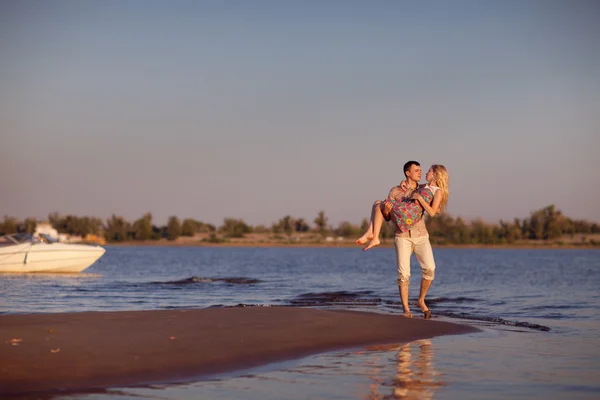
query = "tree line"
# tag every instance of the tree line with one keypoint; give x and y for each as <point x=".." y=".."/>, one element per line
<point x="547" y="223"/>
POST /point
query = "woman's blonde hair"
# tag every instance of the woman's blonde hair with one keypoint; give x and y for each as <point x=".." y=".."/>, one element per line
<point x="442" y="181"/>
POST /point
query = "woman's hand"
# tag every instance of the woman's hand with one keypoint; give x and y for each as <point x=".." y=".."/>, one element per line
<point x="417" y="197"/>
<point x="403" y="185"/>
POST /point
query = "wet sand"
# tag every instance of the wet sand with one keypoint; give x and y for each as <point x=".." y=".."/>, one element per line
<point x="76" y="351"/>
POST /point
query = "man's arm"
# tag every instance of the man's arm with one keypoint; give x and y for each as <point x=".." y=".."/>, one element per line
<point x="402" y="190"/>
<point x="387" y="204"/>
<point x="404" y="185"/>
<point x="395" y="193"/>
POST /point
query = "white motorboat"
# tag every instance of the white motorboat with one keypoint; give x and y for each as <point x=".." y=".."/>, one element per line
<point x="21" y="252"/>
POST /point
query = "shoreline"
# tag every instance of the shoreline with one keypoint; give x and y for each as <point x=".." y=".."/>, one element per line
<point x="46" y="353"/>
<point x="166" y="243"/>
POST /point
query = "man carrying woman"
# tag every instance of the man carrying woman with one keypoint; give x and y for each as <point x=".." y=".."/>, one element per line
<point x="405" y="206"/>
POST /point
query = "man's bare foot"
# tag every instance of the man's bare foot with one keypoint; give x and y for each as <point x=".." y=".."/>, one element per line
<point x="364" y="238"/>
<point x="424" y="308"/>
<point x="407" y="314"/>
<point x="374" y="242"/>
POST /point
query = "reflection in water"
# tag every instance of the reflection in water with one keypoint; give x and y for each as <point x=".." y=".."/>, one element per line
<point x="415" y="376"/>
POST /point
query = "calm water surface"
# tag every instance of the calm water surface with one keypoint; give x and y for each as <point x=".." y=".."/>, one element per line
<point x="538" y="311"/>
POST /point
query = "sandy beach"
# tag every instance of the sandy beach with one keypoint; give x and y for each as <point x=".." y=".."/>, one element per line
<point x="75" y="351"/>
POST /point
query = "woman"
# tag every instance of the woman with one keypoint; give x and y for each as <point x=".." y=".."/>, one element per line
<point x="407" y="211"/>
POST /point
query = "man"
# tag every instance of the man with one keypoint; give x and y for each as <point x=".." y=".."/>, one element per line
<point x="417" y="240"/>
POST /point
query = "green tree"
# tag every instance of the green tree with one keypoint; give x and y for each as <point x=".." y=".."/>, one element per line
<point x="10" y="225"/>
<point x="159" y="232"/>
<point x="482" y="233"/>
<point x="192" y="226"/>
<point x="173" y="228"/>
<point x="364" y="225"/>
<point x="346" y="229"/>
<point x="234" y="228"/>
<point x="117" y="229"/>
<point x="510" y="232"/>
<point x="143" y="227"/>
<point x="189" y="227"/>
<point x="555" y="224"/>
<point x="536" y="225"/>
<point x="260" y="229"/>
<point x="321" y="223"/>
<point x="460" y="232"/>
<point x="546" y="223"/>
<point x="54" y="219"/>
<point x="206" y="228"/>
<point x="29" y="225"/>
<point x="87" y="225"/>
<point x="287" y="224"/>
<point x="301" y="225"/>
<point x="74" y="225"/>
<point x="440" y="228"/>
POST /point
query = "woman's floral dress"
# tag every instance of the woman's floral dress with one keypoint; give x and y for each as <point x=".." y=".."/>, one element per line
<point x="407" y="212"/>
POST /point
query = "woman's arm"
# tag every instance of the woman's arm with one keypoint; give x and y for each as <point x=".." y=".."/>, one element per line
<point x="432" y="209"/>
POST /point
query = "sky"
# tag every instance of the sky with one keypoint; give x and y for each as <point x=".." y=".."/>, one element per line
<point x="257" y="109"/>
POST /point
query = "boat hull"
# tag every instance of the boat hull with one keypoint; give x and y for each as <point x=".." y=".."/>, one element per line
<point x="42" y="257"/>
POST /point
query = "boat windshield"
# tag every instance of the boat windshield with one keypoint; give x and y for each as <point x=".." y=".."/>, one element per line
<point x="17" y="238"/>
<point x="24" y="238"/>
<point x="6" y="240"/>
<point x="47" y="238"/>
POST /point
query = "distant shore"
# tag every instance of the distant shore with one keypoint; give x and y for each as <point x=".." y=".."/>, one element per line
<point x="50" y="353"/>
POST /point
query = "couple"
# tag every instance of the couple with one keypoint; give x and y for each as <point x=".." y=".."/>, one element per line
<point x="405" y="206"/>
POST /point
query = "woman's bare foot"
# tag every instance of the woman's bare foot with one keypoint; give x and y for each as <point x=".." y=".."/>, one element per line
<point x="407" y="314"/>
<point x="364" y="238"/>
<point x="374" y="242"/>
<point x="424" y="308"/>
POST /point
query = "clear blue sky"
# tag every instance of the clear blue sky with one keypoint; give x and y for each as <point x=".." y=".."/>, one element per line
<point x="258" y="109"/>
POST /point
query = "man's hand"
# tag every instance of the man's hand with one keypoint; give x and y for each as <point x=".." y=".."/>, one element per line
<point x="387" y="207"/>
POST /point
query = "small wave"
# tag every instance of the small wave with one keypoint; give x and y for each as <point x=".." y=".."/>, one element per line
<point x="495" y="320"/>
<point x="240" y="305"/>
<point x="366" y="298"/>
<point x="435" y="300"/>
<point x="554" y="307"/>
<point x="341" y="293"/>
<point x="554" y="316"/>
<point x="341" y="297"/>
<point x="197" y="279"/>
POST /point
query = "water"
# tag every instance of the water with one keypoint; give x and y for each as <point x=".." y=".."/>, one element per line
<point x="538" y="311"/>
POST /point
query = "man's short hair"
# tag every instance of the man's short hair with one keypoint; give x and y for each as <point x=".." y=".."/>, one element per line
<point x="410" y="164"/>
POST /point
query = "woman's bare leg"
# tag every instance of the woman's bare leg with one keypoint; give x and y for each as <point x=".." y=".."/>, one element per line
<point x="368" y="235"/>
<point x="377" y="223"/>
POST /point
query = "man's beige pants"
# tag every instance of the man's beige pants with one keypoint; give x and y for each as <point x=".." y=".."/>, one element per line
<point x="422" y="249"/>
